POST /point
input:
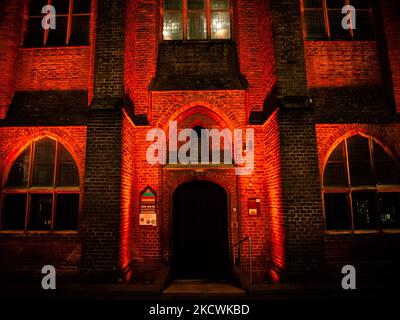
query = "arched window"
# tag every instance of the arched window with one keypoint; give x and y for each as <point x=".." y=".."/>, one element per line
<point x="361" y="187"/>
<point x="42" y="191"/>
<point x="196" y="19"/>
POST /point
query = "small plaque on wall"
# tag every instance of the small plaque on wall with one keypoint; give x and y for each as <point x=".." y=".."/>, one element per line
<point x="148" y="220"/>
<point x="254" y="206"/>
<point x="148" y="214"/>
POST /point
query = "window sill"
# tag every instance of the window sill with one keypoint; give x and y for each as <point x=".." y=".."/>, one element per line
<point x="361" y="232"/>
<point x="38" y="232"/>
<point x="197" y="41"/>
<point x="338" y="40"/>
<point x="55" y="47"/>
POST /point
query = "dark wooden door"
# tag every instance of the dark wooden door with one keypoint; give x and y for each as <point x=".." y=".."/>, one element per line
<point x="200" y="231"/>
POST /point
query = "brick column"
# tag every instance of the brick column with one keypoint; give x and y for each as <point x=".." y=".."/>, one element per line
<point x="102" y="199"/>
<point x="11" y="13"/>
<point x="301" y="193"/>
<point x="289" y="49"/>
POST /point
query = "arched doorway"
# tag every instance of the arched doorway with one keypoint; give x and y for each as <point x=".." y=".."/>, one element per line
<point x="200" y="231"/>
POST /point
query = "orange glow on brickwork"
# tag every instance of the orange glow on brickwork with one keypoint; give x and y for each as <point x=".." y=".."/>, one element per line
<point x="274" y="195"/>
<point x="333" y="64"/>
<point x="127" y="204"/>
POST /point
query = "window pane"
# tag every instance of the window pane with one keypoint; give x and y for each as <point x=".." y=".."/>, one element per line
<point x="172" y="26"/>
<point x="219" y="4"/>
<point x="14" y="212"/>
<point x="62" y="6"/>
<point x="364" y="27"/>
<point x="19" y="173"/>
<point x="335" y="24"/>
<point x="313" y="3"/>
<point x="364" y="210"/>
<point x="67" y="211"/>
<point x="359" y="161"/>
<point x="389" y="208"/>
<point x="80" y="30"/>
<point x="68" y="175"/>
<point x="335" y="170"/>
<point x="335" y="3"/>
<point x="315" y="24"/>
<point x="43" y="170"/>
<point x="337" y="211"/>
<point x="197" y="27"/>
<point x="82" y="6"/>
<point x="196" y="4"/>
<point x="386" y="170"/>
<point x="220" y="25"/>
<point x="35" y="7"/>
<point x="35" y="33"/>
<point x="172" y="4"/>
<point x="58" y="36"/>
<point x="360" y="4"/>
<point x="41" y="209"/>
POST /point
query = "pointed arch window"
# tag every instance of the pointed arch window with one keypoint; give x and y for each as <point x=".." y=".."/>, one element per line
<point x="42" y="191"/>
<point x="361" y="187"/>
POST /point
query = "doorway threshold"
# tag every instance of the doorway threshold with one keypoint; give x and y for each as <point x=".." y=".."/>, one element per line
<point x="203" y="287"/>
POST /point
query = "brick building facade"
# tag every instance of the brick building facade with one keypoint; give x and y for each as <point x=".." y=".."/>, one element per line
<point x="305" y="97"/>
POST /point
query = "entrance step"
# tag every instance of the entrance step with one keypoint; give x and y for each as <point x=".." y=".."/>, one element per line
<point x="202" y="287"/>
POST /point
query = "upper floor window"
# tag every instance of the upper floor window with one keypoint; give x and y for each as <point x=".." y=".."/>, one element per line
<point x="361" y="187"/>
<point x="42" y="190"/>
<point x="196" y="19"/>
<point x="72" y="23"/>
<point x="322" y="19"/>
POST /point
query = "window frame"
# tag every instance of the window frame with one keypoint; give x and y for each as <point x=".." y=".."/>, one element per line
<point x="70" y="16"/>
<point x="328" y="34"/>
<point x="349" y="190"/>
<point x="30" y="190"/>
<point x="184" y="13"/>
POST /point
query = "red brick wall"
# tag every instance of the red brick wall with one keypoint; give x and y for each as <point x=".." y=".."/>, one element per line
<point x="29" y="251"/>
<point x="391" y="10"/>
<point x="373" y="254"/>
<point x="342" y="63"/>
<point x="127" y="180"/>
<point x="257" y="227"/>
<point x="253" y="30"/>
<point x="142" y="36"/>
<point x="230" y="105"/>
<point x="53" y="69"/>
<point x="10" y="32"/>
<point x="273" y="187"/>
<point x="146" y="240"/>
